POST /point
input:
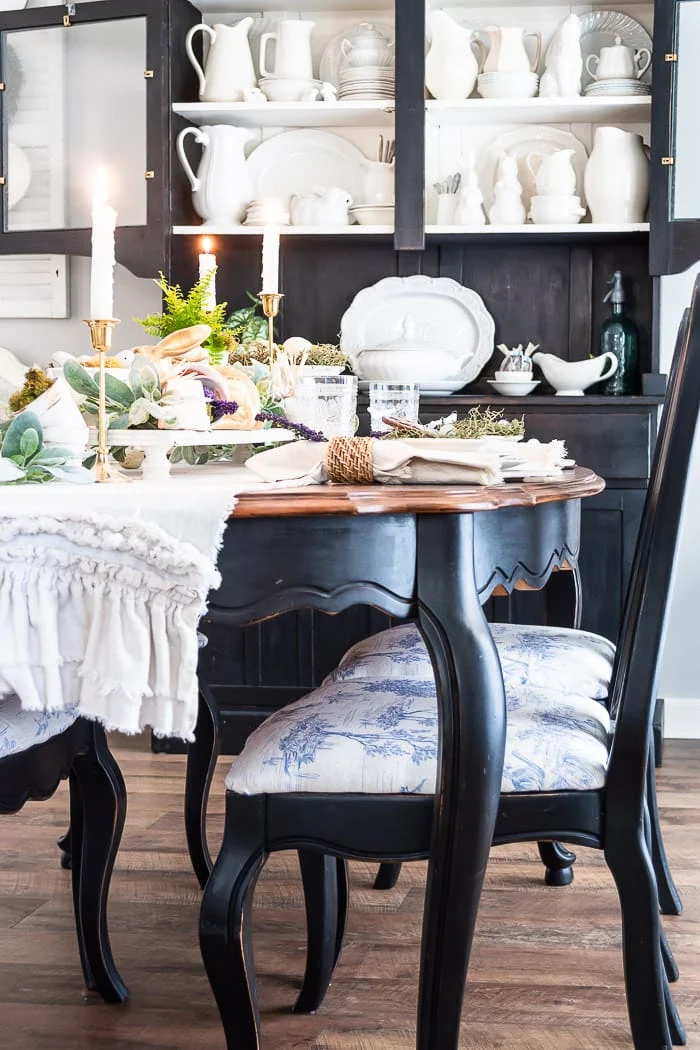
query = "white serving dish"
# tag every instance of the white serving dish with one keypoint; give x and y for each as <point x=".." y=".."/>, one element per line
<point x="556" y="210"/>
<point x="435" y="316"/>
<point x="514" y="388"/>
<point x="508" y="85"/>
<point x="374" y="215"/>
<point x="299" y="162"/>
<point x="286" y="89"/>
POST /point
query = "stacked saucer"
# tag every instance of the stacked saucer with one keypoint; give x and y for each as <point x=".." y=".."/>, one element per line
<point x="508" y="84"/>
<point x="367" y="82"/>
<point x="617" y="86"/>
<point x="269" y="211"/>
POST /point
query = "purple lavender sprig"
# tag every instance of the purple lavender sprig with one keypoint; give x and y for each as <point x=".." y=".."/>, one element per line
<point x="219" y="409"/>
<point x="302" y="431"/>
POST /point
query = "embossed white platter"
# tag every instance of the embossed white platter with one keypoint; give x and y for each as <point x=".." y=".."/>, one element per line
<point x="520" y="143"/>
<point x="433" y="324"/>
<point x="301" y="161"/>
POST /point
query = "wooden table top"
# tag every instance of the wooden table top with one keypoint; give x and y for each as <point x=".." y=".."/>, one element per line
<point x="415" y="499"/>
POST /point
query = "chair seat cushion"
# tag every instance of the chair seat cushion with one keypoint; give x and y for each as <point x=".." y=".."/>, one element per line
<point x="556" y="658"/>
<point x="20" y="730"/>
<point x="380" y="736"/>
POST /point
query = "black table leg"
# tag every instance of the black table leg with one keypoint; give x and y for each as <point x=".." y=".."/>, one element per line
<point x="472" y="713"/>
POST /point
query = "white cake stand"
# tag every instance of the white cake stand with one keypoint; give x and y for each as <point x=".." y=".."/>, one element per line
<point x="156" y="444"/>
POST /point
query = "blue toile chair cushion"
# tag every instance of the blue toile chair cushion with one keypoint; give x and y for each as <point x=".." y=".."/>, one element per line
<point x="20" y="730"/>
<point x="556" y="658"/>
<point x="380" y="736"/>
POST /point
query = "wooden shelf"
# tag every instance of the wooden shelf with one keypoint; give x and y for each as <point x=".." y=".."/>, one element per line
<point x="287" y="231"/>
<point x="540" y="401"/>
<point x="372" y="114"/>
<point x="580" y="230"/>
<point x="539" y="111"/>
<point x="248" y="6"/>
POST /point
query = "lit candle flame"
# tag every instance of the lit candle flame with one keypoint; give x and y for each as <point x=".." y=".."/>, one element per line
<point x="206" y="245"/>
<point x="100" y="189"/>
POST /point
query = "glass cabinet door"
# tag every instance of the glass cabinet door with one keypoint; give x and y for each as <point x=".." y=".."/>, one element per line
<point x="675" y="183"/>
<point x="85" y="87"/>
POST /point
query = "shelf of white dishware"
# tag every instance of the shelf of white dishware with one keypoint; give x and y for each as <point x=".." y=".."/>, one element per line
<point x="578" y="229"/>
<point x="632" y="109"/>
<point x="370" y="114"/>
<point x="286" y="231"/>
<point x="246" y="7"/>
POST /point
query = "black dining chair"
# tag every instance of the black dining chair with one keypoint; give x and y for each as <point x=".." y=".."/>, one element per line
<point x="37" y="751"/>
<point x="590" y="788"/>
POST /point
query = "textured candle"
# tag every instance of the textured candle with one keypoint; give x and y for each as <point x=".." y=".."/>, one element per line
<point x="207" y="265"/>
<point x="104" y="221"/>
<point x="271" y="260"/>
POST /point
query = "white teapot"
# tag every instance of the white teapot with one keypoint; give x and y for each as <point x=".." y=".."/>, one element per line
<point x="619" y="61"/>
<point x="367" y="46"/>
<point x="323" y="207"/>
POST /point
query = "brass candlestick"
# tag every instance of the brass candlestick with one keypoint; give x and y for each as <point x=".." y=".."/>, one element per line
<point x="101" y="336"/>
<point x="271" y="307"/>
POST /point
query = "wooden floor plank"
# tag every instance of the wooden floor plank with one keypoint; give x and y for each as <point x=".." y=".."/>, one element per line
<point x="546" y="966"/>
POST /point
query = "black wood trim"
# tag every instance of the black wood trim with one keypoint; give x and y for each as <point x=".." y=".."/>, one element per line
<point x="410" y="125"/>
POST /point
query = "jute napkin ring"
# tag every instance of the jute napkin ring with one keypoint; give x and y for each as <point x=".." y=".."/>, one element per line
<point x="349" y="461"/>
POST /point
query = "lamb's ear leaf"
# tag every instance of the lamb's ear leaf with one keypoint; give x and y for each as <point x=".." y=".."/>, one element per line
<point x="118" y="392"/>
<point x="80" y="380"/>
<point x="25" y="421"/>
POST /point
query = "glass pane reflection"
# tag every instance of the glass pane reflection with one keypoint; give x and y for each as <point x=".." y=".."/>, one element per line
<point x="686" y="186"/>
<point x="68" y="110"/>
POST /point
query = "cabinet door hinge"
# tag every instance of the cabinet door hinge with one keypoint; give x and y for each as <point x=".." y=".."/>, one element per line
<point x="667" y="161"/>
<point x="70" y="13"/>
<point x="2" y="87"/>
<point x="150" y="175"/>
<point x="149" y="74"/>
<point x="671" y="57"/>
<point x="3" y="180"/>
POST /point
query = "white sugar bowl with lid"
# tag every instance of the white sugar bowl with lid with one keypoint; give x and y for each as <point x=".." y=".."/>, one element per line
<point x="367" y="46"/>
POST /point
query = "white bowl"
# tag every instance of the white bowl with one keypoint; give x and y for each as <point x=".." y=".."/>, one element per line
<point x="519" y="389"/>
<point x="508" y="85"/>
<point x="554" y="210"/>
<point x="374" y="215"/>
<point x="286" y="89"/>
<point x="513" y="377"/>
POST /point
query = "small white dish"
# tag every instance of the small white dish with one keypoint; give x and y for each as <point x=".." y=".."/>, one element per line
<point x="373" y="215"/>
<point x="548" y="211"/>
<point x="517" y="388"/>
<point x="513" y="377"/>
<point x="508" y="85"/>
<point x="286" y="89"/>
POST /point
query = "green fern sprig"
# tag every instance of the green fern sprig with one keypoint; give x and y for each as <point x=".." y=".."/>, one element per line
<point x="183" y="311"/>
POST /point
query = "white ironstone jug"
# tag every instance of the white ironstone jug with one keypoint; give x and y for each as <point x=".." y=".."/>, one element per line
<point x="229" y="70"/>
<point x="221" y="189"/>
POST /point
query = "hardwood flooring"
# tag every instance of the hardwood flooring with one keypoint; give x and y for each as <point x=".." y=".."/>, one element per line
<point x="547" y="966"/>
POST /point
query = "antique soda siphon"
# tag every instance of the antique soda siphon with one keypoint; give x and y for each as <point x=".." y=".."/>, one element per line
<point x="619" y="335"/>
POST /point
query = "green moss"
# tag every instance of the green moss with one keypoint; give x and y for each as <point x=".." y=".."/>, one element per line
<point x="36" y="382"/>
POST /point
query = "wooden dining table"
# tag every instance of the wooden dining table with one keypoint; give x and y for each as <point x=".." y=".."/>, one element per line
<point x="435" y="553"/>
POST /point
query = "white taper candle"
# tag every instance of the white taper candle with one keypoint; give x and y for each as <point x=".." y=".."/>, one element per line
<point x="207" y="264"/>
<point x="104" y="222"/>
<point x="271" y="260"/>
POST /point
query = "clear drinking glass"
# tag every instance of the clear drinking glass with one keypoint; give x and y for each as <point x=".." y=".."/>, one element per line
<point x="400" y="400"/>
<point x="328" y="404"/>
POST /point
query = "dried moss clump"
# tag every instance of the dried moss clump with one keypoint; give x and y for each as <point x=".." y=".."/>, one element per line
<point x="478" y="423"/>
<point x="36" y="382"/>
<point x="246" y="353"/>
<point x="326" y="355"/>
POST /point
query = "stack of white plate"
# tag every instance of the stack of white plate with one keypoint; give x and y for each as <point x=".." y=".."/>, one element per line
<point x="367" y="82"/>
<point x="617" y="86"/>
<point x="270" y="211"/>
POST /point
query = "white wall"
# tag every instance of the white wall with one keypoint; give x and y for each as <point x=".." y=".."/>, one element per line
<point x="34" y="341"/>
<point x="680" y="672"/>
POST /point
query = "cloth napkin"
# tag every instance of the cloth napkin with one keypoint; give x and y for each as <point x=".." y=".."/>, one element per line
<point x="101" y="591"/>
<point x="422" y="461"/>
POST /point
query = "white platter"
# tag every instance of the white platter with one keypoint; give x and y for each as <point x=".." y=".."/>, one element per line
<point x="599" y="29"/>
<point x="522" y="141"/>
<point x="301" y="161"/>
<point x="329" y="70"/>
<point x="442" y="317"/>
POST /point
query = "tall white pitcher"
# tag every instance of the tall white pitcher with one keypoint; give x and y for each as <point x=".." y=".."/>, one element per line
<point x="229" y="70"/>
<point x="221" y="189"/>
<point x="292" y="53"/>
